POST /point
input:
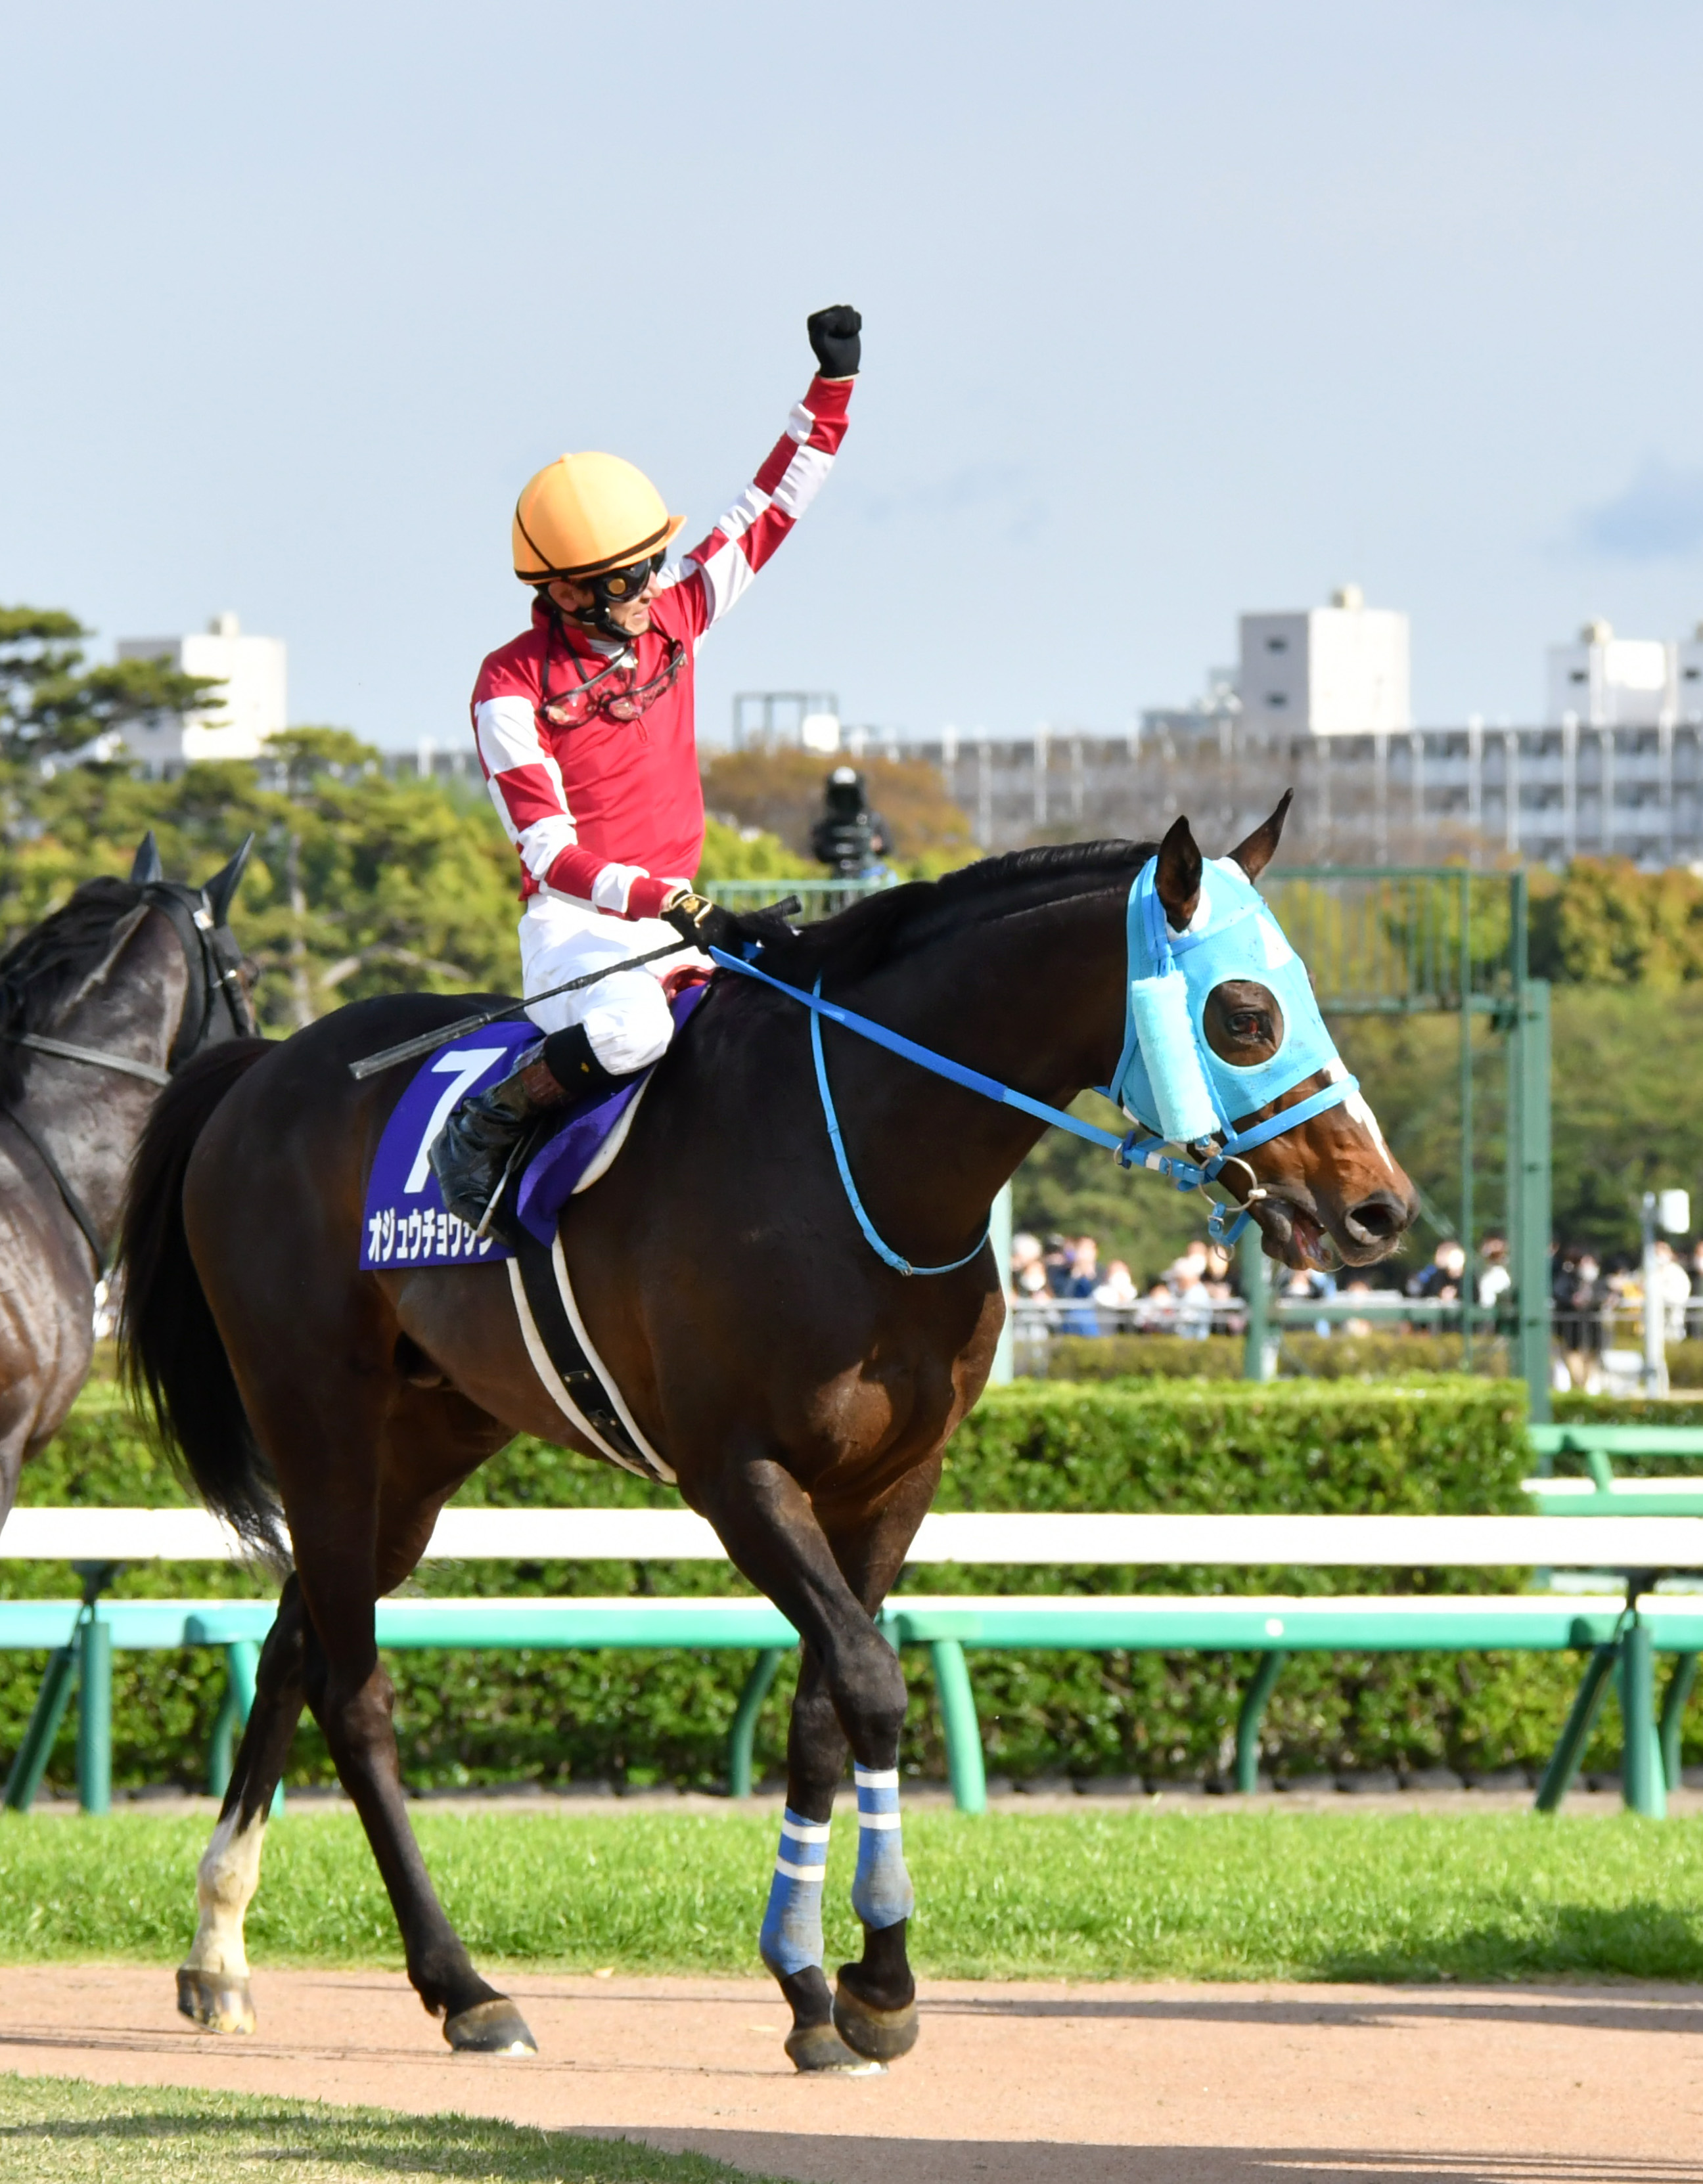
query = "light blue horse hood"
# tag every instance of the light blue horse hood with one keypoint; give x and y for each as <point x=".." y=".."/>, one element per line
<point x="1233" y="934"/>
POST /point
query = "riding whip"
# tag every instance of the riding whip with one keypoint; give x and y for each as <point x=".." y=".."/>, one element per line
<point x="428" y="1042"/>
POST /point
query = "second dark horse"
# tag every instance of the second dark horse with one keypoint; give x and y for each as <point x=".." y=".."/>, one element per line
<point x="99" y="1004"/>
<point x="801" y="1390"/>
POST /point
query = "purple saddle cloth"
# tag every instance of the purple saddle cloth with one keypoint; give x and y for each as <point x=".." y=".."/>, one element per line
<point x="404" y="1221"/>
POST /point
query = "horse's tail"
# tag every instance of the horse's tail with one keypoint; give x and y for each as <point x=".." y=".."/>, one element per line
<point x="170" y="1351"/>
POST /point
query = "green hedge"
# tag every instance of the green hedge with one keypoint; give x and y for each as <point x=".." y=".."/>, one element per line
<point x="466" y="1717"/>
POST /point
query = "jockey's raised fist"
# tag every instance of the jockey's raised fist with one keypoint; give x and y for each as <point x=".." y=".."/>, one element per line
<point x="834" y="336"/>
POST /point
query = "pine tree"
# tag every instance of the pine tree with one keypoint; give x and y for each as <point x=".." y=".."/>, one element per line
<point x="50" y="702"/>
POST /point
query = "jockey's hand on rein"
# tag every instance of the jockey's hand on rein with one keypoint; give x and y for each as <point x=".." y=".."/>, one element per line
<point x="834" y="335"/>
<point x="699" y="923"/>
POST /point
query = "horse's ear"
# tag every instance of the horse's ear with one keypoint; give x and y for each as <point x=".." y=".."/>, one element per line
<point x="221" y="890"/>
<point x="1177" y="881"/>
<point x="148" y="870"/>
<point x="1261" y="846"/>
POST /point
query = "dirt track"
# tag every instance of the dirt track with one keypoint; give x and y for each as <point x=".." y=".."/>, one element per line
<point x="1075" y="2084"/>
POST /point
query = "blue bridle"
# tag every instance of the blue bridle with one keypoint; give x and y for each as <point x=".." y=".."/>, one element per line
<point x="1168" y="1078"/>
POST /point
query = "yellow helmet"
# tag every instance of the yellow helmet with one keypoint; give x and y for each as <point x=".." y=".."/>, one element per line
<point x="585" y="514"/>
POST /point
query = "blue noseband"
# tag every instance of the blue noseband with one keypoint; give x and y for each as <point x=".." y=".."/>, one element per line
<point x="1168" y="1078"/>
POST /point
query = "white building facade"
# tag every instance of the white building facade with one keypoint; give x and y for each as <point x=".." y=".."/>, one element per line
<point x="1343" y="670"/>
<point x="1609" y="682"/>
<point x="252" y="704"/>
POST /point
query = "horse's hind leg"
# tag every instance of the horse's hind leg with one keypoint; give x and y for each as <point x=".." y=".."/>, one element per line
<point x="213" y="1980"/>
<point x="353" y="1703"/>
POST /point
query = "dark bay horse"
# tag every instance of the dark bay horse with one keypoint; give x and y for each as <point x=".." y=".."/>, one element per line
<point x="803" y="1391"/>
<point x="99" y="1003"/>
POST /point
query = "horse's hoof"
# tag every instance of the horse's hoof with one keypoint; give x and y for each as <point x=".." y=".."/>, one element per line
<point x="214" y="2001"/>
<point x="819" y="2047"/>
<point x="882" y="2034"/>
<point x="495" y="2027"/>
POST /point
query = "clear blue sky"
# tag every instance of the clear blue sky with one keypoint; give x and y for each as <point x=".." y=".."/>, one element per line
<point x="1169" y="312"/>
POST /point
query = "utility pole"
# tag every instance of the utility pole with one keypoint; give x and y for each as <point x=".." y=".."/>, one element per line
<point x="1527" y="1029"/>
<point x="1260" y="1349"/>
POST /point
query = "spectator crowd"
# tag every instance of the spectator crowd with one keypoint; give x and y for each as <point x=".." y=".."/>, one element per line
<point x="1599" y="1303"/>
<point x="1060" y="1281"/>
<point x="1192" y="1297"/>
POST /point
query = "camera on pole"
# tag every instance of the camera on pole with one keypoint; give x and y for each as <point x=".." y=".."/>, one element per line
<point x="849" y="838"/>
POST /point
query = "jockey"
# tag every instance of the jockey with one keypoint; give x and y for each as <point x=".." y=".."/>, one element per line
<point x="585" y="733"/>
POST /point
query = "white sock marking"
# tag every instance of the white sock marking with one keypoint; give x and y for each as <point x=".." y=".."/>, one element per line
<point x="225" y="1884"/>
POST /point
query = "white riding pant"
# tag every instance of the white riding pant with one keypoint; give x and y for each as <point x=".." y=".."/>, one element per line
<point x="625" y="1015"/>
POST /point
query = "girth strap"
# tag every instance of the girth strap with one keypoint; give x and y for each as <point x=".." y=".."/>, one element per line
<point x="565" y="1361"/>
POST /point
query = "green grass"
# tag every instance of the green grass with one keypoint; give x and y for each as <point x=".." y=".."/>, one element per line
<point x="1137" y="1895"/>
<point x="62" y="2131"/>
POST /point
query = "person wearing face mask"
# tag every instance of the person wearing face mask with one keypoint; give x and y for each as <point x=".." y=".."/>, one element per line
<point x="587" y="739"/>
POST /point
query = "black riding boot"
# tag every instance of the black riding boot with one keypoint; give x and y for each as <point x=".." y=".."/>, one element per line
<point x="470" y="1154"/>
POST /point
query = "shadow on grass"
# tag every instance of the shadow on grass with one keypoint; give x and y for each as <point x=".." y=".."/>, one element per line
<point x="182" y="2135"/>
<point x="1004" y="2161"/>
<point x="1635" y="1941"/>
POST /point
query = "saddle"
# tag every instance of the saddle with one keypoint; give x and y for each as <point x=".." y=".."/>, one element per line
<point x="404" y="1221"/>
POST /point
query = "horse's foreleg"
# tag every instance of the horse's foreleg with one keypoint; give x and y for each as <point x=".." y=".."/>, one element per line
<point x="213" y="1980"/>
<point x="790" y="1942"/>
<point x="875" y="1999"/>
<point x="851" y="1691"/>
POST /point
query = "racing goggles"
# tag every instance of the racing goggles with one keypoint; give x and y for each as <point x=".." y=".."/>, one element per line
<point x="588" y="699"/>
<point x="622" y="584"/>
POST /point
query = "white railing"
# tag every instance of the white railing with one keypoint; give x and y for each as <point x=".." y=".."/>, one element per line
<point x="1049" y="1537"/>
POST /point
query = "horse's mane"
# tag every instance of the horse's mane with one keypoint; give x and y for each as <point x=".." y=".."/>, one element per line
<point x="43" y="969"/>
<point x="897" y="921"/>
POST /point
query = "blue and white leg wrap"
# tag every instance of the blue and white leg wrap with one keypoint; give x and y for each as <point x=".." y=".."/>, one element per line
<point x="881" y="1892"/>
<point x="791" y="1937"/>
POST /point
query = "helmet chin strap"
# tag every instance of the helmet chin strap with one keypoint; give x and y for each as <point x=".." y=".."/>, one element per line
<point x="599" y="615"/>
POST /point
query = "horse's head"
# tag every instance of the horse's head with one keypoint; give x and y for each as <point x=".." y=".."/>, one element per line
<point x="216" y="1004"/>
<point x="1264" y="1048"/>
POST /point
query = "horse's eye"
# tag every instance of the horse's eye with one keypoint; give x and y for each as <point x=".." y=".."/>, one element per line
<point x="1246" y="1023"/>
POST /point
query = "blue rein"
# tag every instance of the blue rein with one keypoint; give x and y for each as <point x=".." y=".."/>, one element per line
<point x="1132" y="1151"/>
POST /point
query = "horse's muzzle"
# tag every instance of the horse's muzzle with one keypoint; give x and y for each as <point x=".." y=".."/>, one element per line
<point x="1378" y="1223"/>
<point x="1305" y="1235"/>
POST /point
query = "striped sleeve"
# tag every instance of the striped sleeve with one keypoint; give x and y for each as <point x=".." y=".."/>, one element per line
<point x="526" y="787"/>
<point x="715" y="575"/>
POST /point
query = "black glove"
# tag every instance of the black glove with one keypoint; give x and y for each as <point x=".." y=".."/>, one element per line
<point x="699" y="923"/>
<point x="834" y="335"/>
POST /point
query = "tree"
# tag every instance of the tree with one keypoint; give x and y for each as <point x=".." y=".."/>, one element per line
<point x="360" y="883"/>
<point x="1604" y="923"/>
<point x="50" y="702"/>
<point x="780" y="792"/>
<point x="746" y="853"/>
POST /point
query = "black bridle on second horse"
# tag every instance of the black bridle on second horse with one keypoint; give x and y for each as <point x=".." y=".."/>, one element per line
<point x="214" y="963"/>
